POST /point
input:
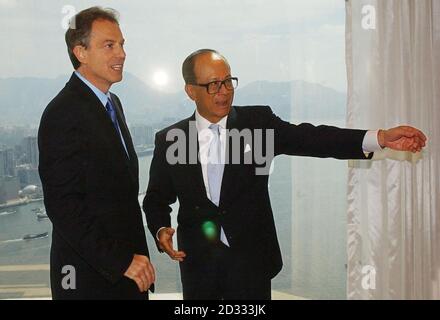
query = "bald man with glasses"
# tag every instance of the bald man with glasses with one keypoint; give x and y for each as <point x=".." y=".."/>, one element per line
<point x="227" y="242"/>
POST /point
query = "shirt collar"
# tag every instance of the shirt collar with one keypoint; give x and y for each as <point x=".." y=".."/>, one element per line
<point x="202" y="123"/>
<point x="101" y="95"/>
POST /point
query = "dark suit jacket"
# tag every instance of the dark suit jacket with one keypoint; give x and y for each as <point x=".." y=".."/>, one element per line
<point x="91" y="195"/>
<point x="244" y="210"/>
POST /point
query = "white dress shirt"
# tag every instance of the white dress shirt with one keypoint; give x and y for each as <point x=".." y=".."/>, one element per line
<point x="205" y="136"/>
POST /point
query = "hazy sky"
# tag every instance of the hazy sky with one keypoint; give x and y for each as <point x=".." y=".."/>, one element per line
<point x="275" y="40"/>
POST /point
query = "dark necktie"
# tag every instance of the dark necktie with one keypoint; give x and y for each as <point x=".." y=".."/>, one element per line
<point x="112" y="114"/>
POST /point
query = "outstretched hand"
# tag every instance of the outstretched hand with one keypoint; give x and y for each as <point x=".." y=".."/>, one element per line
<point x="402" y="138"/>
<point x="165" y="237"/>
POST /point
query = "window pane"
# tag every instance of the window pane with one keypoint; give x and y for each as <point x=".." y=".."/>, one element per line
<point x="286" y="54"/>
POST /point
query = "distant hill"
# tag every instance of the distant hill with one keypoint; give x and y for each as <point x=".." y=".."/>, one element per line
<point x="22" y="100"/>
<point x="298" y="100"/>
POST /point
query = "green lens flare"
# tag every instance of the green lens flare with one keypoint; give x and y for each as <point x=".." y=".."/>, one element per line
<point x="209" y="230"/>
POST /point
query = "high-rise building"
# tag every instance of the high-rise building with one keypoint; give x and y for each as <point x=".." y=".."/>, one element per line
<point x="10" y="162"/>
<point x="30" y="147"/>
<point x="2" y="164"/>
<point x="7" y="162"/>
<point x="150" y="137"/>
<point x="9" y="188"/>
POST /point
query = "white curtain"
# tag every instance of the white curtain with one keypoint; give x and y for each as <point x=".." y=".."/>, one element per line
<point x="393" y="66"/>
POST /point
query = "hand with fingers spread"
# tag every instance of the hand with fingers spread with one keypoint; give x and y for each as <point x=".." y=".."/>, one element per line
<point x="165" y="238"/>
<point x="402" y="138"/>
<point x="142" y="272"/>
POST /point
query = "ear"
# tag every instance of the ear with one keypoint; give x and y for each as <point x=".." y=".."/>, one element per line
<point x="80" y="53"/>
<point x="189" y="89"/>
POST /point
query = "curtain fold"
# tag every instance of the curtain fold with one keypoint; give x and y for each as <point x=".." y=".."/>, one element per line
<point x="393" y="70"/>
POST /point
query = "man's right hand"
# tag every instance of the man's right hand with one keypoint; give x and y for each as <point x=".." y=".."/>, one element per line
<point x="165" y="238"/>
<point x="141" y="271"/>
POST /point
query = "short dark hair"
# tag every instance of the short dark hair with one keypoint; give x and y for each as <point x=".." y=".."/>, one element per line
<point x="80" y="27"/>
<point x="188" y="65"/>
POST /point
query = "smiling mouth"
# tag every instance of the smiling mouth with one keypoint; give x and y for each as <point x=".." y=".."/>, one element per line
<point x="117" y="67"/>
<point x="222" y="104"/>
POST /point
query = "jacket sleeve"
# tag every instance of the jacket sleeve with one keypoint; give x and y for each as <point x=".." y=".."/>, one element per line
<point x="63" y="162"/>
<point x="321" y="141"/>
<point x="160" y="192"/>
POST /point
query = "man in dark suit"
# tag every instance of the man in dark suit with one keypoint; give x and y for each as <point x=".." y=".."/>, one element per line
<point x="228" y="248"/>
<point x="89" y="171"/>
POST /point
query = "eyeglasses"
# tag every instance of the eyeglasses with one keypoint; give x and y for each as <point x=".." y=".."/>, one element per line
<point x="214" y="87"/>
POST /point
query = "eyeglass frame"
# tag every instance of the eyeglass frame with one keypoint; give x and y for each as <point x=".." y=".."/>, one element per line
<point x="223" y="82"/>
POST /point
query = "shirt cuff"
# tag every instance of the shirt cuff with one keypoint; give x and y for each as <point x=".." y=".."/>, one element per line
<point x="157" y="233"/>
<point x="370" y="142"/>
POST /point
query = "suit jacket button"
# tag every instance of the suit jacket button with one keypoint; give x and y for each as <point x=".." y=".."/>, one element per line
<point x="224" y="212"/>
<point x="197" y="207"/>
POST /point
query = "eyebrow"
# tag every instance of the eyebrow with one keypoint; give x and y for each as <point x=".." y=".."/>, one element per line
<point x="113" y="41"/>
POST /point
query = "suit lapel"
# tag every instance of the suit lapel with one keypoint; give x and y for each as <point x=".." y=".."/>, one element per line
<point x="132" y="157"/>
<point x="233" y="173"/>
<point x="194" y="170"/>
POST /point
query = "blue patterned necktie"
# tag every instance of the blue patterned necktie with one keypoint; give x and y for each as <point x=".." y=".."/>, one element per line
<point x="215" y="168"/>
<point x="112" y="114"/>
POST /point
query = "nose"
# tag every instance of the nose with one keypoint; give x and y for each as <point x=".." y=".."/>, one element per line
<point x="222" y="89"/>
<point x="121" y="52"/>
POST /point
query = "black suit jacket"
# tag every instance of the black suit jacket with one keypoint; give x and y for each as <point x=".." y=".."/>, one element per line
<point x="244" y="210"/>
<point x="91" y="195"/>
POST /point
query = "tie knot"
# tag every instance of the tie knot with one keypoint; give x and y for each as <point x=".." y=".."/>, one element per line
<point x="215" y="128"/>
<point x="109" y="105"/>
